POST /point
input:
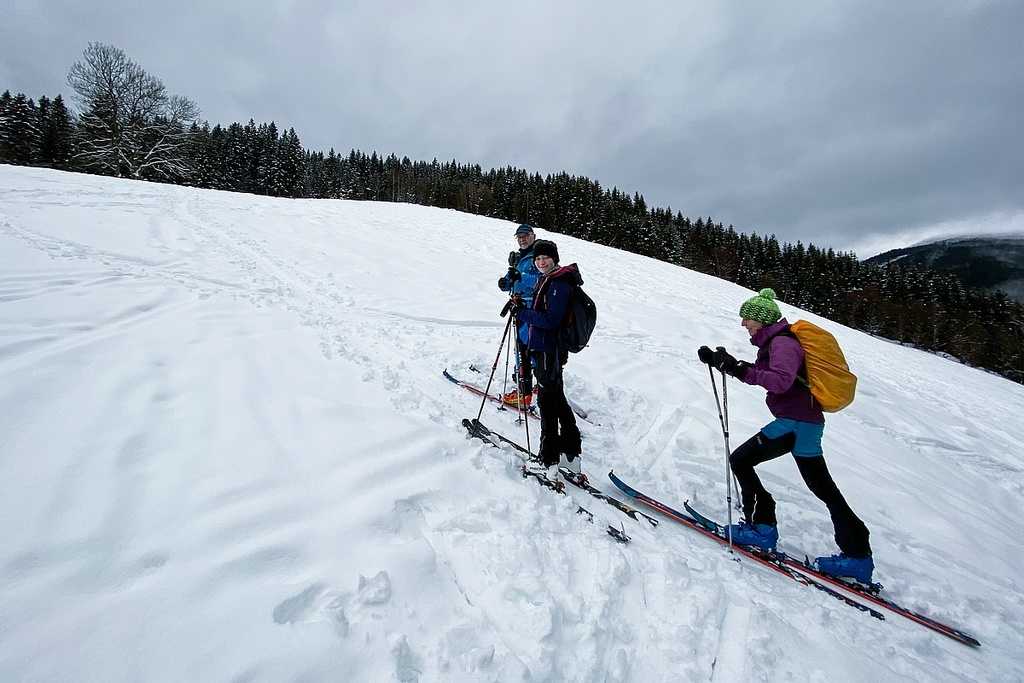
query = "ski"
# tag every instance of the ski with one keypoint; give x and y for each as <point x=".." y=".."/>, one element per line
<point x="582" y="482"/>
<point x="477" y="430"/>
<point x="480" y="431"/>
<point x="502" y="403"/>
<point x="754" y="554"/>
<point x="800" y="571"/>
<point x="870" y="592"/>
<point x="580" y="412"/>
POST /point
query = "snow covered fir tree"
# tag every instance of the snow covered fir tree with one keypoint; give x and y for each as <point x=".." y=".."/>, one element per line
<point x="129" y="126"/>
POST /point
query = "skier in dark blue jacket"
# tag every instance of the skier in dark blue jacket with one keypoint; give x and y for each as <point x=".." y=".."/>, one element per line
<point x="545" y="320"/>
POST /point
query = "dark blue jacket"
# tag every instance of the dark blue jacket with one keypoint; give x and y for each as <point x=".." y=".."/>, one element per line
<point x="546" y="319"/>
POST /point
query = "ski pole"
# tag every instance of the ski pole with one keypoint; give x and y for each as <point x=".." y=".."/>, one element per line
<point x="517" y="375"/>
<point x="527" y="359"/>
<point x="519" y="382"/>
<point x="497" y="359"/>
<point x="504" y="377"/>
<point x="724" y="420"/>
<point x="521" y="407"/>
<point x="725" y="430"/>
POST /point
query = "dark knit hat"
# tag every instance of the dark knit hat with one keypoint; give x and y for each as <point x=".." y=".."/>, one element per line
<point x="762" y="308"/>
<point x="524" y="229"/>
<point x="545" y="248"/>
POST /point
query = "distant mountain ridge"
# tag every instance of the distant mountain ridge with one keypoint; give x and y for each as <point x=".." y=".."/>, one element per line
<point x="978" y="262"/>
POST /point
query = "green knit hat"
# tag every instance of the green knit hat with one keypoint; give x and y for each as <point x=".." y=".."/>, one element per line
<point x="762" y="308"/>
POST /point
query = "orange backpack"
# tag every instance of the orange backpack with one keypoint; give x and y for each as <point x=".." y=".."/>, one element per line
<point x="828" y="375"/>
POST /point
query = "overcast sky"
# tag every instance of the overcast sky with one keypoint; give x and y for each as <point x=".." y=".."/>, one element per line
<point x="859" y="125"/>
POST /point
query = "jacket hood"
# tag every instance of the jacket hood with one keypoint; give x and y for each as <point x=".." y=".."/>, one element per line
<point x="760" y="337"/>
<point x="570" y="273"/>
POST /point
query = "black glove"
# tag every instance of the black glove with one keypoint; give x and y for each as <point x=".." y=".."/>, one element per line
<point x="513" y="306"/>
<point x="706" y="355"/>
<point x="725" y="362"/>
<point x="506" y="281"/>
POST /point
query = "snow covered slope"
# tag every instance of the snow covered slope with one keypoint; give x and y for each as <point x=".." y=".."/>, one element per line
<point x="227" y="453"/>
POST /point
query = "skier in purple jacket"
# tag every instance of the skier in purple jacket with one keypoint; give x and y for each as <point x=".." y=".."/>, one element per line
<point x="798" y="427"/>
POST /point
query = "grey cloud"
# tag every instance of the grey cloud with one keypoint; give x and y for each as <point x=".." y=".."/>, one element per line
<point x="834" y="123"/>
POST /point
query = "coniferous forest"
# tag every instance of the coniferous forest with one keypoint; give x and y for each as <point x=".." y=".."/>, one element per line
<point x="164" y="141"/>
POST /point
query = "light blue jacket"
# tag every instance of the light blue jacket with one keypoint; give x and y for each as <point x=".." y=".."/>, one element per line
<point x="528" y="276"/>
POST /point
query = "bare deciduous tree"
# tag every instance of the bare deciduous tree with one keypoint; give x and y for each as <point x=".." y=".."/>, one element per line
<point x="129" y="125"/>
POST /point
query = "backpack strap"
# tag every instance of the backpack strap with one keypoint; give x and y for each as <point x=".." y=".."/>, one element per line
<point x="563" y="327"/>
<point x="801" y="374"/>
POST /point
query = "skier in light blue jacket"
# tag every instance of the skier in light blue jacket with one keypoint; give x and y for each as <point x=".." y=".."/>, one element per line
<point x="520" y="281"/>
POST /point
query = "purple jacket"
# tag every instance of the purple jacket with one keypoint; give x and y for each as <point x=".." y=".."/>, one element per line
<point x="779" y="359"/>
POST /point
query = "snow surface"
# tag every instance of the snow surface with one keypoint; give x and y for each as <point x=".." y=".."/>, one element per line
<point x="227" y="453"/>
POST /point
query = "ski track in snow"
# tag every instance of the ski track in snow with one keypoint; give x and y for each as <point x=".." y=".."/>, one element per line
<point x="181" y="473"/>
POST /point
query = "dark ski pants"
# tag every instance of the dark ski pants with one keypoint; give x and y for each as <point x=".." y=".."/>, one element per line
<point x="851" y="534"/>
<point x="558" y="431"/>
